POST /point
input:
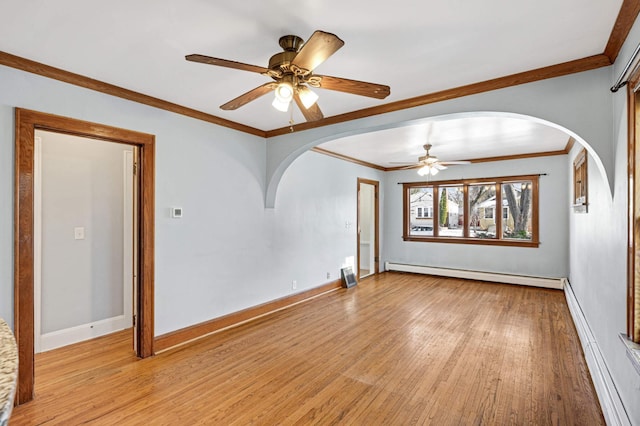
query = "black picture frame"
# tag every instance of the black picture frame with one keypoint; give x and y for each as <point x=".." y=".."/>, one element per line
<point x="348" y="277"/>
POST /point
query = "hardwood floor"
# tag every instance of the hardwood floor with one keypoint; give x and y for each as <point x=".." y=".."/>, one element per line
<point x="397" y="349"/>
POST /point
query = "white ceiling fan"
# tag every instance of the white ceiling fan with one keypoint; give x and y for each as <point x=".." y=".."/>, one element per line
<point x="431" y="165"/>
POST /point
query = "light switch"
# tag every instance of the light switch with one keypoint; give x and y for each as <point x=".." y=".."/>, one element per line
<point x="78" y="233"/>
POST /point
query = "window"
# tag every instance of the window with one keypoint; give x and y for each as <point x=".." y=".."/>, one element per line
<point x="517" y="196"/>
<point x="421" y="211"/>
<point x="424" y="212"/>
<point x="464" y="211"/>
<point x="482" y="204"/>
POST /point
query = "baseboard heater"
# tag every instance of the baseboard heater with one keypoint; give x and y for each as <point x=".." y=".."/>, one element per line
<point x="556" y="283"/>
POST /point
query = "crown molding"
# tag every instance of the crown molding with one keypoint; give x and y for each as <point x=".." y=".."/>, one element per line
<point x="571" y="67"/>
<point x="44" y="70"/>
<point x="626" y="17"/>
<point x="629" y="11"/>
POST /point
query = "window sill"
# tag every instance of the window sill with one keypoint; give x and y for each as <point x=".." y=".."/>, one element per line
<point x="477" y="241"/>
<point x="633" y="351"/>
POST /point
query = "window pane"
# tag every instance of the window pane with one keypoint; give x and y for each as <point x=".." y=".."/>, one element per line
<point x="451" y="211"/>
<point x="482" y="205"/>
<point x="516" y="196"/>
<point x="421" y="219"/>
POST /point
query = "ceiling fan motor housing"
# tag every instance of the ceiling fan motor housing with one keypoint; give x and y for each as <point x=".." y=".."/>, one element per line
<point x="281" y="60"/>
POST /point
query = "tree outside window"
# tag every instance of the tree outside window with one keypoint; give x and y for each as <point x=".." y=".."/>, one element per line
<point x="518" y="197"/>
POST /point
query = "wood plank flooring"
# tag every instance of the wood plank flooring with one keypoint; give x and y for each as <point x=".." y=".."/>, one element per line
<point x="398" y="349"/>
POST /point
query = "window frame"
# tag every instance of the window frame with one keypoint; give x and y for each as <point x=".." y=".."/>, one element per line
<point x="581" y="183"/>
<point x="633" y="206"/>
<point x="466" y="239"/>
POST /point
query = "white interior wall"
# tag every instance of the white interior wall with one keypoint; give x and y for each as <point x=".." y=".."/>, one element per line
<point x="598" y="255"/>
<point x="548" y="260"/>
<point x="82" y="186"/>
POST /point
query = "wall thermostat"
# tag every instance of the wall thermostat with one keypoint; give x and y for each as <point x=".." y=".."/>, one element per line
<point x="176" y="212"/>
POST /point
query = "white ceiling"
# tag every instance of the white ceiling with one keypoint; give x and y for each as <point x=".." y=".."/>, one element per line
<point x="414" y="47"/>
<point x="457" y="137"/>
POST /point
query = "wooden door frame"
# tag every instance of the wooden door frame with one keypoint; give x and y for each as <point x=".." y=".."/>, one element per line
<point x="26" y="122"/>
<point x="376" y="248"/>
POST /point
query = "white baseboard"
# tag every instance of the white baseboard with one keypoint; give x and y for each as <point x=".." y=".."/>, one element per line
<point x="612" y="407"/>
<point x="556" y="283"/>
<point x="81" y="333"/>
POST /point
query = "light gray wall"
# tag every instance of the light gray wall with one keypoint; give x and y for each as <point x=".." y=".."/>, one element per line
<point x="228" y="252"/>
<point x="82" y="186"/>
<point x="548" y="260"/>
<point x="598" y="255"/>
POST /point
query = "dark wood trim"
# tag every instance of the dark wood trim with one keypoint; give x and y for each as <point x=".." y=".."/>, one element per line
<point x="473" y="160"/>
<point x="347" y="158"/>
<point x="535" y="208"/>
<point x="376" y="248"/>
<point x="566" y="68"/>
<point x="579" y="65"/>
<point x="626" y="17"/>
<point x="497" y="213"/>
<point x="633" y="215"/>
<point x="581" y="187"/>
<point x="26" y="123"/>
<point x="472" y="181"/>
<point x="110" y="89"/>
<point x="631" y="228"/>
<point x="473" y="241"/>
<point x="196" y="331"/>
<point x="436" y="211"/>
<point x="569" y="147"/>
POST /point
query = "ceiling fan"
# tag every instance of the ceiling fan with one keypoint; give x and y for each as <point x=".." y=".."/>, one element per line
<point x="292" y="72"/>
<point x="430" y="165"/>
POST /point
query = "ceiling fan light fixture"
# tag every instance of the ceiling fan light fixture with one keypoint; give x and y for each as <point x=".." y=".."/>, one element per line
<point x="284" y="92"/>
<point x="307" y="96"/>
<point x="428" y="170"/>
<point x="281" y="105"/>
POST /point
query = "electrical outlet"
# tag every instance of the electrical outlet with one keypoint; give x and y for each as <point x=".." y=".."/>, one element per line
<point x="328" y="275"/>
<point x="294" y="284"/>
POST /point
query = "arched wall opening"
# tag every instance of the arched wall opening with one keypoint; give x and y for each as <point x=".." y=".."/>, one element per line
<point x="302" y="148"/>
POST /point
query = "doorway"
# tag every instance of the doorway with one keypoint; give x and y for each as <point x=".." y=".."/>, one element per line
<point x="27" y="122"/>
<point x="368" y="228"/>
<point x="83" y="238"/>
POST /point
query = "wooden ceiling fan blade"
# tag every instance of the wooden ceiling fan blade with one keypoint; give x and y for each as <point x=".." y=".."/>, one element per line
<point x="226" y="63"/>
<point x="313" y="113"/>
<point x="316" y="50"/>
<point x="407" y="167"/>
<point x="251" y="95"/>
<point x="362" y="88"/>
